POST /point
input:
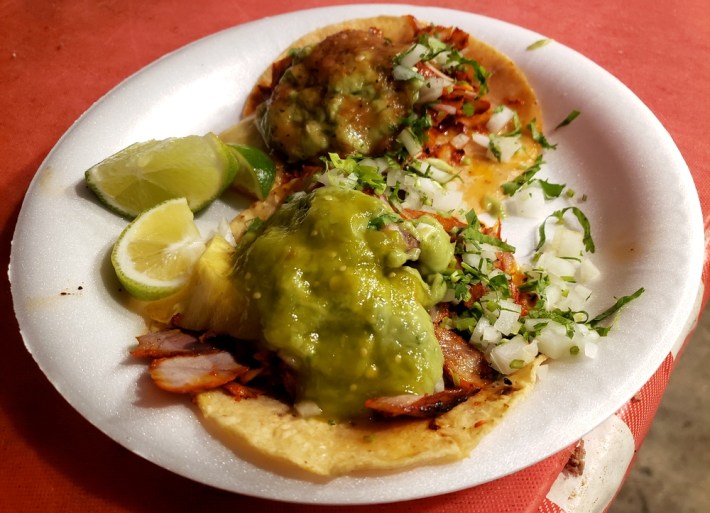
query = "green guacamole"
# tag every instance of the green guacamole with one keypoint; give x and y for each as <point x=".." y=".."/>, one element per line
<point x="336" y="302"/>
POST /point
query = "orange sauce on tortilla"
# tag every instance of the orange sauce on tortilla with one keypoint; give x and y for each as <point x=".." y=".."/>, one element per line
<point x="482" y="177"/>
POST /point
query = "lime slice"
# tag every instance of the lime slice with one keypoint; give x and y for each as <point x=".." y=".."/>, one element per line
<point x="154" y="255"/>
<point x="198" y="168"/>
<point x="256" y="173"/>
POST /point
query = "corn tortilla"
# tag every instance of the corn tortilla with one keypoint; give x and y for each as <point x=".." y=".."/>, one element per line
<point x="271" y="429"/>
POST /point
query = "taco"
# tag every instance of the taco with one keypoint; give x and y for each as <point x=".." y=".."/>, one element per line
<point x="333" y="336"/>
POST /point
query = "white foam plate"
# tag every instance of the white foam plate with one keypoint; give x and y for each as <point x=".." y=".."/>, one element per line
<point x="642" y="203"/>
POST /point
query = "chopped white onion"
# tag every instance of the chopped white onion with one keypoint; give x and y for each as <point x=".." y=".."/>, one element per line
<point x="588" y="272"/>
<point x="577" y="297"/>
<point x="487" y="251"/>
<point x="413" y="55"/>
<point x="433" y="171"/>
<point x="460" y="140"/>
<point x="527" y="202"/>
<point x="445" y="107"/>
<point x="437" y="72"/>
<point x="481" y="139"/>
<point x="432" y="89"/>
<point x="555" y="265"/>
<point x="473" y="259"/>
<point x="410" y="142"/>
<point x="400" y="72"/>
<point x="484" y="334"/>
<point x="507" y="147"/>
<point x="338" y="179"/>
<point x="516" y="352"/>
<point x="442" y="58"/>
<point x="553" y="341"/>
<point x="568" y="243"/>
<point x="507" y="322"/>
<point x="452" y="198"/>
<point x="500" y="118"/>
<point x="440" y="164"/>
<point x="379" y="163"/>
<point x="542" y="371"/>
<point x="413" y="200"/>
<point x="394" y="177"/>
<point x="553" y="297"/>
<point x="307" y="409"/>
<point x="430" y="188"/>
<point x="591" y="349"/>
<point x="491" y="335"/>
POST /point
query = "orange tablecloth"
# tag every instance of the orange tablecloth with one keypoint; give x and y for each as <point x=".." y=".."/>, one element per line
<point x="57" y="58"/>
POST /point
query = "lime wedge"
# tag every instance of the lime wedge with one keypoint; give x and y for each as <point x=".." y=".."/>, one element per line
<point x="154" y="255"/>
<point x="256" y="173"/>
<point x="198" y="168"/>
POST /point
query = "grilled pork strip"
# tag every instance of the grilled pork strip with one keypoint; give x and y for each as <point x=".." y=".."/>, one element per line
<point x="195" y="373"/>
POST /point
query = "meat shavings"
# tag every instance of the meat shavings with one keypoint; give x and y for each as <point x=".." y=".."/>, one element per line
<point x="189" y="363"/>
<point x="240" y="391"/>
<point x="419" y="406"/>
<point x="195" y="373"/>
<point x="448" y="223"/>
<point x="170" y="342"/>
<point x="464" y="365"/>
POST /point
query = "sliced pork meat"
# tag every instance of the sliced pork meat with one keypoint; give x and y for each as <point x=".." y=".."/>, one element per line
<point x="195" y="373"/>
<point x="464" y="365"/>
<point x="170" y="342"/>
<point x="239" y="391"/>
<point x="419" y="406"/>
<point x="448" y="223"/>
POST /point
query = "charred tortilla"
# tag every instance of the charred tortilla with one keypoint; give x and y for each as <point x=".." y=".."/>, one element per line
<point x="270" y="427"/>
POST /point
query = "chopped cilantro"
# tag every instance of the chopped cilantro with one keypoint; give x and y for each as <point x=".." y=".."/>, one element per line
<point x="368" y="177"/>
<point x="559" y="215"/>
<point x="376" y="223"/>
<point x="535" y="285"/>
<point x="564" y="318"/>
<point x="538" y="44"/>
<point x="570" y="117"/>
<point x="551" y="190"/>
<point x="479" y="72"/>
<point x="620" y="303"/>
<point x="499" y="282"/>
<point x="539" y="137"/>
<point x="509" y="188"/>
<point x="494" y="148"/>
<point x="464" y="323"/>
<point x="473" y="234"/>
<point x="254" y="225"/>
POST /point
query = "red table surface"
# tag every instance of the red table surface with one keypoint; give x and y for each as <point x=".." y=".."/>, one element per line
<point x="57" y="58"/>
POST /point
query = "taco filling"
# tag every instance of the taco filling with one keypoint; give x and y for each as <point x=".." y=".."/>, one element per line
<point x="363" y="317"/>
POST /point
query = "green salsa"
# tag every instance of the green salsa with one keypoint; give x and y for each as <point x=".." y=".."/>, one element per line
<point x="336" y="301"/>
